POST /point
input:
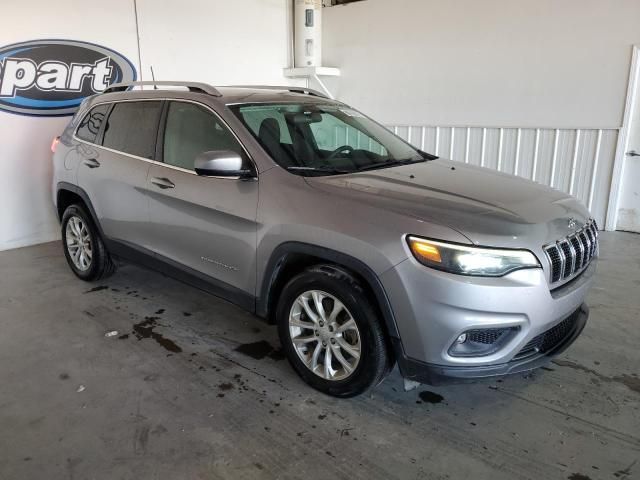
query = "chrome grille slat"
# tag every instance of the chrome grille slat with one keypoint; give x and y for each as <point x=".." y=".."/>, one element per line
<point x="578" y="248"/>
<point x="589" y="235"/>
<point x="587" y="250"/>
<point x="569" y="256"/>
<point x="563" y="261"/>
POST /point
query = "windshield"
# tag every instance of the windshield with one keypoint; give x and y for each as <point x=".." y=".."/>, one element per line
<point x="324" y="139"/>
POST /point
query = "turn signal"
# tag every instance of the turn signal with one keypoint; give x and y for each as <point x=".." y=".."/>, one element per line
<point x="424" y="250"/>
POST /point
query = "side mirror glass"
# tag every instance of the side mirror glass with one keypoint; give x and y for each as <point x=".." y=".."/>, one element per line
<point x="221" y="163"/>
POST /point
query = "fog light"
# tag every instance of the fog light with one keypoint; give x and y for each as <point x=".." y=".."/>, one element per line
<point x="480" y="342"/>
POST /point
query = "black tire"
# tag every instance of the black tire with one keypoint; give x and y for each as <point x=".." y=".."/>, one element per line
<point x="101" y="265"/>
<point x="375" y="360"/>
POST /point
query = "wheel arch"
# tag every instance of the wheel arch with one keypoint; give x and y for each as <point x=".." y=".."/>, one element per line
<point x="290" y="258"/>
<point x="68" y="194"/>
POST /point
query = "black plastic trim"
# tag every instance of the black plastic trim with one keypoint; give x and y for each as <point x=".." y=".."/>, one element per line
<point x="431" y="374"/>
<point x="164" y="265"/>
<point x="279" y="258"/>
<point x="181" y="273"/>
<point x="85" y="198"/>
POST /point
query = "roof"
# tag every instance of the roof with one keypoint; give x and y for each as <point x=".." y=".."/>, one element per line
<point x="226" y="95"/>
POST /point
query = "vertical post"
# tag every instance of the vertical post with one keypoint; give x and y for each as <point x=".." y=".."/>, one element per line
<point x="536" y="150"/>
<point x="451" y="145"/>
<point x="483" y="146"/>
<point x="594" y="170"/>
<point x="574" y="161"/>
<point x="500" y="144"/>
<point x="517" y="160"/>
<point x="554" y="159"/>
<point x="135" y="15"/>
<point x="466" y="145"/>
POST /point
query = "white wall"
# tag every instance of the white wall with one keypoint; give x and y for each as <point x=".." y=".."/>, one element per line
<point x="484" y="63"/>
<point x="216" y="41"/>
<point x="27" y="216"/>
<point x="479" y="81"/>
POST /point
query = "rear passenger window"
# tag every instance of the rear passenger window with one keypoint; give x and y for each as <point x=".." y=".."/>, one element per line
<point x="90" y="124"/>
<point x="192" y="130"/>
<point x="132" y="128"/>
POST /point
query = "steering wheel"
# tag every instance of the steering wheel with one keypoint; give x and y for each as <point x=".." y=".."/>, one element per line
<point x="343" y="148"/>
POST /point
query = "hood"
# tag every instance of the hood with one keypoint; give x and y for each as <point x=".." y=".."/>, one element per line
<point x="488" y="207"/>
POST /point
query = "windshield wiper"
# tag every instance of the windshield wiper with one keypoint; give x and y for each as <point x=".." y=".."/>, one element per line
<point x="390" y="163"/>
<point x="320" y="169"/>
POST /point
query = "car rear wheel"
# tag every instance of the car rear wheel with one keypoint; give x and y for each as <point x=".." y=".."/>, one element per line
<point x="330" y="332"/>
<point x="84" y="249"/>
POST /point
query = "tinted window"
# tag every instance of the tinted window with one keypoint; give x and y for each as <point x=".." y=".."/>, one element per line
<point x="90" y="124"/>
<point x="191" y="130"/>
<point x="132" y="128"/>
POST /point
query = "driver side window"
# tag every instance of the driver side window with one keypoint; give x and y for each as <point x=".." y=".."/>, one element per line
<point x="191" y="130"/>
<point x="332" y="133"/>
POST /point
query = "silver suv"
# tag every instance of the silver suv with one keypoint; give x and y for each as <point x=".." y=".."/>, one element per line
<point x="364" y="251"/>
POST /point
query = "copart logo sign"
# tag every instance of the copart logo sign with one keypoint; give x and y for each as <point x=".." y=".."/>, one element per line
<point x="52" y="77"/>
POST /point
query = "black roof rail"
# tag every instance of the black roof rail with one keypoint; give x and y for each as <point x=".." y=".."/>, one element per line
<point x="196" y="87"/>
<point x="304" y="90"/>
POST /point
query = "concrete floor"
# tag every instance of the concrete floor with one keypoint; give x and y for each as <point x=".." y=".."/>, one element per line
<point x="194" y="388"/>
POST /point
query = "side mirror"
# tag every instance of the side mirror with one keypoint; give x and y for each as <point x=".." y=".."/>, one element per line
<point x="221" y="163"/>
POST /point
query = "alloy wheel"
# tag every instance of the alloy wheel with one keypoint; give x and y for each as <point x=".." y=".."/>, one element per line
<point x="324" y="335"/>
<point x="79" y="243"/>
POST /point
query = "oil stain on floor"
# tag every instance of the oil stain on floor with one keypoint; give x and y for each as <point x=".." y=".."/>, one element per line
<point x="145" y="328"/>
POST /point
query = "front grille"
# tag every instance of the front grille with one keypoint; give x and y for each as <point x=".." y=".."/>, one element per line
<point x="569" y="256"/>
<point x="550" y="339"/>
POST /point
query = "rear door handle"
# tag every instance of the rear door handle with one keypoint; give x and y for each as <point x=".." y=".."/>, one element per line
<point x="92" y="163"/>
<point x="633" y="153"/>
<point x="163" y="183"/>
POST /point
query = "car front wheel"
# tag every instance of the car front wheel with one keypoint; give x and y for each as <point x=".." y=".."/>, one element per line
<point x="331" y="333"/>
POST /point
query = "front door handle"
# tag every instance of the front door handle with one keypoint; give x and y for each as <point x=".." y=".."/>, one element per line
<point x="163" y="183"/>
<point x="92" y="163"/>
<point x="633" y="153"/>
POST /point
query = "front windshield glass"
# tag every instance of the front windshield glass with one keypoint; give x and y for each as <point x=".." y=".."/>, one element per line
<point x="324" y="139"/>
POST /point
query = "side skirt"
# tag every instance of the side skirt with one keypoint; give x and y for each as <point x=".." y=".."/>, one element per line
<point x="182" y="273"/>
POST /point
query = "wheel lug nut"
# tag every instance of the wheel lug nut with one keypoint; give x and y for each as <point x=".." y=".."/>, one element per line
<point x="316" y="332"/>
<point x="333" y="341"/>
<point x="324" y="344"/>
<point x="322" y="324"/>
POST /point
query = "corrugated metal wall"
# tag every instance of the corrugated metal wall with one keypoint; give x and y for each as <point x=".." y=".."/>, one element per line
<point x="576" y="161"/>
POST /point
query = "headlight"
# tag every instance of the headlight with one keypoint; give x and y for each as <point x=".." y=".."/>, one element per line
<point x="465" y="260"/>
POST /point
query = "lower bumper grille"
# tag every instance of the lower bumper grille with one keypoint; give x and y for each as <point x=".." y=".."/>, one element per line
<point x="547" y="341"/>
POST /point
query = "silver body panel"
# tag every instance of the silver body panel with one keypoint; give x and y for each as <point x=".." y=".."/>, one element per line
<point x="118" y="190"/>
<point x="228" y="229"/>
<point x="207" y="224"/>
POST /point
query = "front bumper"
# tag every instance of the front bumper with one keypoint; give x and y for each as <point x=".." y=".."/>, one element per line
<point x="440" y="374"/>
<point x="433" y="308"/>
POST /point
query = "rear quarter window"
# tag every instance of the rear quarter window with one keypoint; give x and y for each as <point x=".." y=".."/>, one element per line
<point x="90" y="124"/>
<point x="132" y="128"/>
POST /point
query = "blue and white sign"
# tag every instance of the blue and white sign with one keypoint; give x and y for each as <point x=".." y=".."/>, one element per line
<point x="51" y="77"/>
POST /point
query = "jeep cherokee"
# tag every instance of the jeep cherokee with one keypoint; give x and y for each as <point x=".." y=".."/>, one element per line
<point x="364" y="250"/>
